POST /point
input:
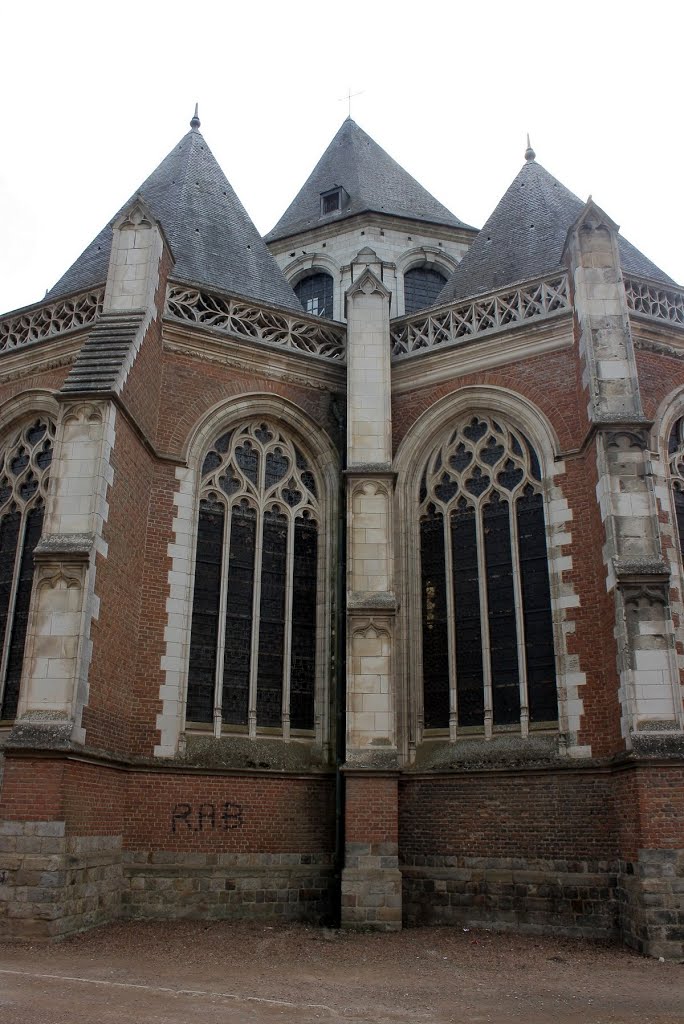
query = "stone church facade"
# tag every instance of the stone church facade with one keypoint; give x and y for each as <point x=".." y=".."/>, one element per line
<point x="341" y="570"/>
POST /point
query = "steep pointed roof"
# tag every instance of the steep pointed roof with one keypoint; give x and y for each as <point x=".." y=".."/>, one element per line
<point x="212" y="238"/>
<point x="525" y="235"/>
<point x="373" y="181"/>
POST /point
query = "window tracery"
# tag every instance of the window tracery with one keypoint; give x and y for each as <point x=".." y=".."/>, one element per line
<point x="25" y="462"/>
<point x="487" y="634"/>
<point x="254" y="612"/>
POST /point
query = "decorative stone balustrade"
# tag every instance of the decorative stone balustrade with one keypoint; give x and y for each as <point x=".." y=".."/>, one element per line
<point x="267" y="326"/>
<point x="657" y="301"/>
<point x="483" y="315"/>
<point x="39" y="323"/>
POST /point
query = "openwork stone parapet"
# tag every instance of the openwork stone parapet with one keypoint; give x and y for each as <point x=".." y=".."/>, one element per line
<point x="257" y="323"/>
<point x="485" y="314"/>
<point x="656" y="301"/>
<point x="35" y="324"/>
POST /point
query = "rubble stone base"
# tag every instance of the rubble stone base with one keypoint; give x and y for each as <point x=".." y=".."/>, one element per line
<point x="371" y="887"/>
<point x="651" y="903"/>
<point x="52" y="885"/>
<point x="167" y="885"/>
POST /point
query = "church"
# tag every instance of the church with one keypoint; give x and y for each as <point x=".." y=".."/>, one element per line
<point x="341" y="571"/>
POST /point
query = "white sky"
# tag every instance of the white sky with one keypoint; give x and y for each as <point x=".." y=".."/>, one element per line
<point x="94" y="95"/>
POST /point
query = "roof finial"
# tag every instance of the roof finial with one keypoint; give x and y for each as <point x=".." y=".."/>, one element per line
<point x="194" y="120"/>
<point x="529" y="152"/>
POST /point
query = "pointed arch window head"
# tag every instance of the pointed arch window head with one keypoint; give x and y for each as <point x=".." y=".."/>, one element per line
<point x="25" y="461"/>
<point x="487" y="635"/>
<point x="254" y="616"/>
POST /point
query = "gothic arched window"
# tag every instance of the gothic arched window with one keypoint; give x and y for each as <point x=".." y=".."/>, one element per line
<point x="315" y="293"/>
<point x="24" y="470"/>
<point x="675" y="451"/>
<point x="487" y="635"/>
<point x="254" y="612"/>
<point x="422" y="285"/>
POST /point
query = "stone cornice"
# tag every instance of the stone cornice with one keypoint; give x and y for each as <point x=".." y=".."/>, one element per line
<point x="483" y="352"/>
<point x="209" y="345"/>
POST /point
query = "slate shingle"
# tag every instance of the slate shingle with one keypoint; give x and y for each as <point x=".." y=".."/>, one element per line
<point x="374" y="181"/>
<point x="213" y="239"/>
<point x="524" y="238"/>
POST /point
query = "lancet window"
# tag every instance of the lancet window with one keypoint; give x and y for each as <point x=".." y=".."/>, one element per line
<point x="24" y="471"/>
<point x="254" y="613"/>
<point x="487" y="635"/>
<point x="676" y="463"/>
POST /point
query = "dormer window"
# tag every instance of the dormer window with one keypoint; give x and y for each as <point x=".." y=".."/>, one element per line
<point x="332" y="201"/>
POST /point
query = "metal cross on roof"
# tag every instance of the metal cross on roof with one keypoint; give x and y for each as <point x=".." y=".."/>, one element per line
<point x="349" y="97"/>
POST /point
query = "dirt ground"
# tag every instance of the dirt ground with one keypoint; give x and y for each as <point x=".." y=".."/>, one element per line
<point x="235" y="973"/>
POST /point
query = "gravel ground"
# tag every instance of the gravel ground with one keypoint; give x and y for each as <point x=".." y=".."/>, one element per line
<point x="238" y="973"/>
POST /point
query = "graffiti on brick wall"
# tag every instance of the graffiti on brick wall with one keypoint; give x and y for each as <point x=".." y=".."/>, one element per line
<point x="206" y="817"/>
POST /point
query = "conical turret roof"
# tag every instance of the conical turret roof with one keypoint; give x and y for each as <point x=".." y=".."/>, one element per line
<point x="373" y="181"/>
<point x="212" y="238"/>
<point x="525" y="235"/>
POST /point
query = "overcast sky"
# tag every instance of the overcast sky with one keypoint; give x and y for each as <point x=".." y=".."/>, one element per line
<point x="94" y="95"/>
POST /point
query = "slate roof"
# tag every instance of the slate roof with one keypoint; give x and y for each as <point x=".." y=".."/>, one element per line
<point x="373" y="180"/>
<point x="212" y="238"/>
<point x="524" y="238"/>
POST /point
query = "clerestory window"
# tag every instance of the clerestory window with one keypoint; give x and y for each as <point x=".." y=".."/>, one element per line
<point x="315" y="293"/>
<point x="255" y="604"/>
<point x="25" y="461"/>
<point x="422" y="286"/>
<point x="487" y="634"/>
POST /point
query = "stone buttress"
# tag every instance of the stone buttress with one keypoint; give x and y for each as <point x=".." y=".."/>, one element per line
<point x="371" y="882"/>
<point x="639" y="580"/>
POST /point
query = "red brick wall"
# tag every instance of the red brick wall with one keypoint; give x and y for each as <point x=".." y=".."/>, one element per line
<point x="371" y="810"/>
<point x="649" y="806"/>
<point x="32" y="790"/>
<point x="547" y="815"/>
<point x="191" y="387"/>
<point x="111" y="705"/>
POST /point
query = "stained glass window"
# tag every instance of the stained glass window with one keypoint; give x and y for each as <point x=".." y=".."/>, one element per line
<point x="487" y="633"/>
<point x="24" y="471"/>
<point x="254" y="615"/>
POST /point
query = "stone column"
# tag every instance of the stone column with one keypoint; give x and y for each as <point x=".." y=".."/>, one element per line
<point x="371" y="883"/>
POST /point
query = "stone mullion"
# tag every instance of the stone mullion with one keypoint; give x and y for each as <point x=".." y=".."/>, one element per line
<point x="221" y="632"/>
<point x="519" y="617"/>
<point x="451" y="626"/>
<point x="256" y="620"/>
<point x="484" y="625"/>
<point x="287" y="640"/>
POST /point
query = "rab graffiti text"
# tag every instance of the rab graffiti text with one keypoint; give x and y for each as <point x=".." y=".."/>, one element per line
<point x="206" y="817"/>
